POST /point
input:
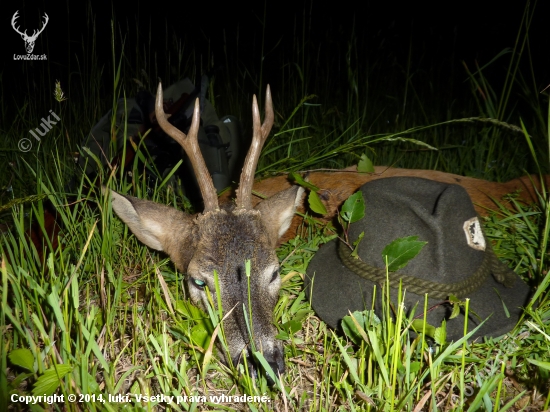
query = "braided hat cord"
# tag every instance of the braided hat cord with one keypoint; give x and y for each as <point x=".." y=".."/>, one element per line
<point x="490" y="264"/>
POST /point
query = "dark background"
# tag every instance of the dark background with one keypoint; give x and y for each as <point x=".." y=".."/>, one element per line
<point x="450" y="31"/>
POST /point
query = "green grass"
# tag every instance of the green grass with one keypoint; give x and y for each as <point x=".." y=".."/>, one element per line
<point x="103" y="314"/>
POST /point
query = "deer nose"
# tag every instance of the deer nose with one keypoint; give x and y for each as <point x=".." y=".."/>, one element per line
<point x="276" y="370"/>
<point x="275" y="360"/>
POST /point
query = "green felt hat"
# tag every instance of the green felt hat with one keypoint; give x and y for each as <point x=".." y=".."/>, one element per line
<point x="457" y="260"/>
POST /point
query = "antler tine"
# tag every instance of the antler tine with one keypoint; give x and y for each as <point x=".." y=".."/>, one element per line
<point x="46" y="20"/>
<point x="191" y="146"/>
<point x="260" y="133"/>
<point x="13" y="23"/>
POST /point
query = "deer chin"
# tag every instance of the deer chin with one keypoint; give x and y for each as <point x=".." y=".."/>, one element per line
<point x="269" y="347"/>
<point x="274" y="357"/>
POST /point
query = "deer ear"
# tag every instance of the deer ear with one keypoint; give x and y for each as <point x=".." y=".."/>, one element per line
<point x="278" y="210"/>
<point x="158" y="226"/>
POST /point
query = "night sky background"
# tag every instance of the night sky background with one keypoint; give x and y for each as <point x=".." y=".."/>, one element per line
<point x="451" y="31"/>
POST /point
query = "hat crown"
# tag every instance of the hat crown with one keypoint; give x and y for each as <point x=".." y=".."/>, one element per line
<point x="435" y="212"/>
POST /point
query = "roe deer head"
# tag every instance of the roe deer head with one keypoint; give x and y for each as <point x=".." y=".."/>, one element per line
<point x="222" y="239"/>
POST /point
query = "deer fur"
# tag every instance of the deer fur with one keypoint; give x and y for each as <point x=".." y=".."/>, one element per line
<point x="221" y="240"/>
<point x="337" y="185"/>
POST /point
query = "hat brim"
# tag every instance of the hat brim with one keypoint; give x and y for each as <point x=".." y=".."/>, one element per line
<point x="334" y="291"/>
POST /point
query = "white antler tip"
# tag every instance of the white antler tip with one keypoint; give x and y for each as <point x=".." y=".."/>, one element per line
<point x="255" y="109"/>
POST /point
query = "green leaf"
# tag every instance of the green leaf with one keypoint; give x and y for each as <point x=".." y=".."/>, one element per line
<point x="353" y="208"/>
<point x="315" y="203"/>
<point x="20" y="379"/>
<point x="188" y="310"/>
<point x="364" y="319"/>
<point x="453" y="299"/>
<point x="455" y="312"/>
<point x="414" y="367"/>
<point x="299" y="180"/>
<point x="487" y="388"/>
<point x="356" y="245"/>
<point x="301" y="314"/>
<point x="544" y="365"/>
<point x="292" y="326"/>
<point x="75" y="292"/>
<point x="200" y="335"/>
<point x="349" y="328"/>
<point x="201" y="326"/>
<point x="267" y="367"/>
<point x="50" y="380"/>
<point x="401" y="251"/>
<point x="440" y="335"/>
<point x="365" y="165"/>
<point x="93" y="386"/>
<point x="23" y="358"/>
<point x="352" y="365"/>
<point x="282" y="335"/>
<point x="53" y="300"/>
<point x="418" y="325"/>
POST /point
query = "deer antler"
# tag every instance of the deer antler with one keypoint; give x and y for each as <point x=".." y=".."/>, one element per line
<point x="15" y="17"/>
<point x="35" y="33"/>
<point x="46" y="20"/>
<point x="191" y="146"/>
<point x="260" y="133"/>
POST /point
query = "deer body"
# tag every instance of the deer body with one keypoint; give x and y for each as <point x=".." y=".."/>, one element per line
<point x="337" y="185"/>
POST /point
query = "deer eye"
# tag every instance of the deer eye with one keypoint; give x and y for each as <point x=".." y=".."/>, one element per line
<point x="275" y="275"/>
<point x="198" y="283"/>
